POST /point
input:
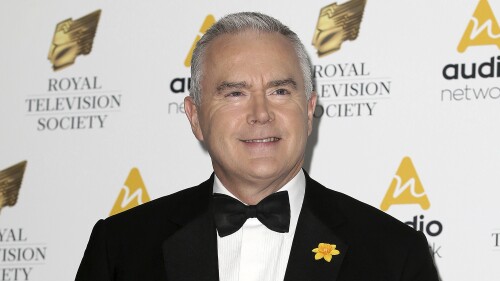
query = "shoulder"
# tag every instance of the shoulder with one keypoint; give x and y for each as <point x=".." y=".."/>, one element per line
<point x="362" y="217"/>
<point x="131" y="241"/>
<point x="171" y="209"/>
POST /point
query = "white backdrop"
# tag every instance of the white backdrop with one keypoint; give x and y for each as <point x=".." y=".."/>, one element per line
<point x="75" y="176"/>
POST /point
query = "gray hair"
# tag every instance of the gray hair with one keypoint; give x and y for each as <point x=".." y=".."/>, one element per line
<point x="239" y="22"/>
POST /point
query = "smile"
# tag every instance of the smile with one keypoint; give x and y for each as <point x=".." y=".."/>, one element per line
<point x="272" y="139"/>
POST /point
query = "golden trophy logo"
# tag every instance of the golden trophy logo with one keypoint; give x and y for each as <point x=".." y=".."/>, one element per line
<point x="132" y="194"/>
<point x="482" y="29"/>
<point x="10" y="184"/>
<point x="73" y="38"/>
<point x="405" y="188"/>
<point x="207" y="23"/>
<point x="336" y="24"/>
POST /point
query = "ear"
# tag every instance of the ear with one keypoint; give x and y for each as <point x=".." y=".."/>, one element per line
<point x="311" y="106"/>
<point x="192" y="114"/>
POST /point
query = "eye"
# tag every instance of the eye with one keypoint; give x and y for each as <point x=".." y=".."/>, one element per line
<point x="233" y="94"/>
<point x="281" y="92"/>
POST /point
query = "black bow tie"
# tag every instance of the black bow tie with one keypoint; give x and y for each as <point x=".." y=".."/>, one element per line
<point x="273" y="212"/>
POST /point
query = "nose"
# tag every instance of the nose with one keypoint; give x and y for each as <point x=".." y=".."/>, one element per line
<point x="260" y="111"/>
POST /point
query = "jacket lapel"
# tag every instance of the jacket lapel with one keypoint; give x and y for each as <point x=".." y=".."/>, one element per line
<point x="190" y="254"/>
<point x="318" y="221"/>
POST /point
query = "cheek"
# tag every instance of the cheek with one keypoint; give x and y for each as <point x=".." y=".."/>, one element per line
<point x="222" y="125"/>
<point x="295" y="121"/>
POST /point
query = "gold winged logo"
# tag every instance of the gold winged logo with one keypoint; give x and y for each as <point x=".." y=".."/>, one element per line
<point x="336" y="24"/>
<point x="10" y="183"/>
<point x="73" y="38"/>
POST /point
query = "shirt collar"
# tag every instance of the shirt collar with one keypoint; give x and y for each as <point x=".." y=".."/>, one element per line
<point x="295" y="188"/>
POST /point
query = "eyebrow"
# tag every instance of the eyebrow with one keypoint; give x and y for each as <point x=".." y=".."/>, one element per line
<point x="283" y="82"/>
<point x="224" y="85"/>
<point x="232" y="85"/>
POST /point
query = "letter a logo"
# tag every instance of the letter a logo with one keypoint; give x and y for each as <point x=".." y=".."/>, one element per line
<point x="207" y="23"/>
<point x="132" y="194"/>
<point x="482" y="29"/>
<point x="405" y="188"/>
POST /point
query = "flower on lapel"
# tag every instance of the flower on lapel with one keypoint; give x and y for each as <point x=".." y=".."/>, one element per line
<point x="325" y="251"/>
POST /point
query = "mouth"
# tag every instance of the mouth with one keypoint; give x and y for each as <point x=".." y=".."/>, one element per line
<point x="265" y="140"/>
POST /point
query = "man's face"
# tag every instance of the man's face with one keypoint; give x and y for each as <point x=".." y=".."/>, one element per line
<point x="254" y="117"/>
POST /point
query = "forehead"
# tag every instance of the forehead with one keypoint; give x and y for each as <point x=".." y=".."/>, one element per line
<point x="251" y="55"/>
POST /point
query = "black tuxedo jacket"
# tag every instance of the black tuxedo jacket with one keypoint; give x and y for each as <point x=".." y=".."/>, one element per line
<point x="174" y="238"/>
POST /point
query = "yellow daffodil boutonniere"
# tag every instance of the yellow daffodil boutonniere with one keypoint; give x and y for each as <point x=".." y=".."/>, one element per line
<point x="325" y="251"/>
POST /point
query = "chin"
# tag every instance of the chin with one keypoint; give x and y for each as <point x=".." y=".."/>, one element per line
<point x="266" y="170"/>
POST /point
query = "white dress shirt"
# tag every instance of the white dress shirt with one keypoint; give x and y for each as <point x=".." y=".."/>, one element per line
<point x="255" y="253"/>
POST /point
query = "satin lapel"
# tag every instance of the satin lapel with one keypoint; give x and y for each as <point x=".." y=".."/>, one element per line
<point x="190" y="254"/>
<point x="318" y="221"/>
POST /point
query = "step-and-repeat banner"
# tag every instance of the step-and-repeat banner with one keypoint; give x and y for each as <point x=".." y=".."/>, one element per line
<point x="92" y="120"/>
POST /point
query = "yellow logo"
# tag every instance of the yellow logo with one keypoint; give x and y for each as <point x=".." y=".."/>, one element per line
<point x="405" y="188"/>
<point x="73" y="38"/>
<point x="133" y="193"/>
<point x="10" y="183"/>
<point x="482" y="29"/>
<point x="207" y="23"/>
<point x="336" y="24"/>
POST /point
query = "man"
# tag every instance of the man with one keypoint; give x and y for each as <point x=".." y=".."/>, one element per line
<point x="252" y="105"/>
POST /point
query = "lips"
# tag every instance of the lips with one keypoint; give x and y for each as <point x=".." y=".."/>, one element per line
<point x="271" y="139"/>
